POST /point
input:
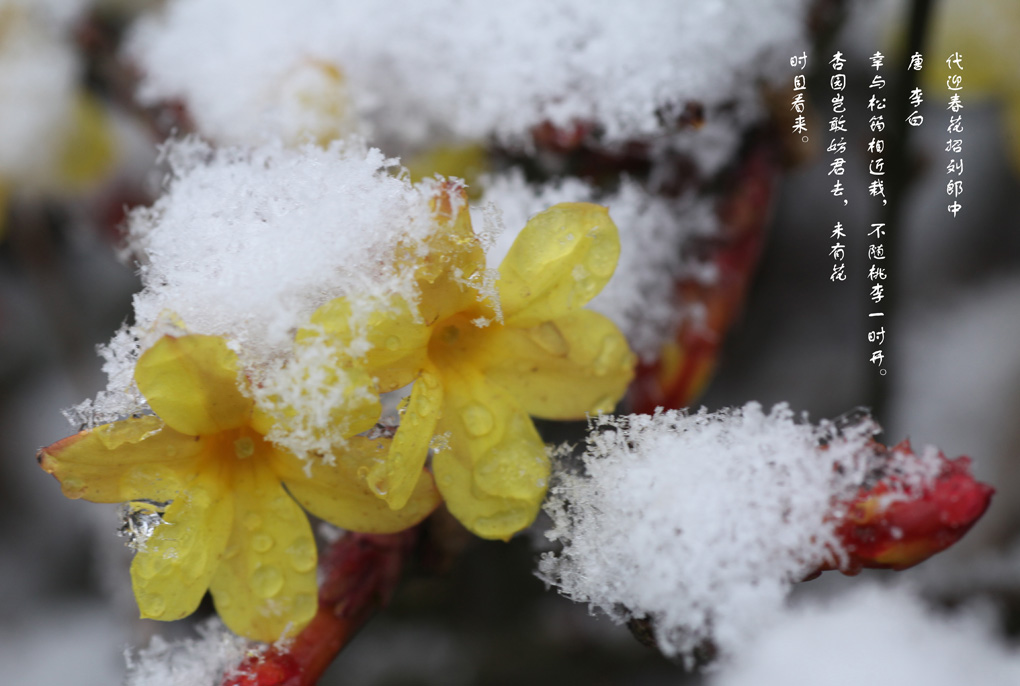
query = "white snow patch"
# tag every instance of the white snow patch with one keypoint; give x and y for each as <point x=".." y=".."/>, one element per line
<point x="878" y="636"/>
<point x="702" y="523"/>
<point x="468" y="70"/>
<point x="246" y="244"/>
<point x="190" y="662"/>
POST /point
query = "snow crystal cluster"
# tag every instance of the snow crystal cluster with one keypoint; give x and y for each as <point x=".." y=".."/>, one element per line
<point x="875" y="635"/>
<point x="419" y="71"/>
<point x="204" y="660"/>
<point x="702" y="523"/>
<point x="653" y="230"/>
<point x="247" y="243"/>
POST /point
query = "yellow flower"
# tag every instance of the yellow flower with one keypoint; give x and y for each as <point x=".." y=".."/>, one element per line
<point x="230" y="527"/>
<point x="477" y="377"/>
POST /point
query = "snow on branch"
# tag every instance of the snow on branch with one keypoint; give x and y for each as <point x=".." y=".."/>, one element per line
<point x="701" y="524"/>
<point x="415" y="72"/>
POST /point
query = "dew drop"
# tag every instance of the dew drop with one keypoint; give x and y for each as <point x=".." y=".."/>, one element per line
<point x="222" y="599"/>
<point x="380" y="485"/>
<point x="266" y="581"/>
<point x="302" y="555"/>
<point x="548" y="337"/>
<point x="261" y="543"/>
<point x="605" y="404"/>
<point x="146" y="567"/>
<point x="423" y="406"/>
<point x="252" y="521"/>
<point x="393" y="343"/>
<point x="72" y="485"/>
<point x="478" y="419"/>
<point x="153" y="605"/>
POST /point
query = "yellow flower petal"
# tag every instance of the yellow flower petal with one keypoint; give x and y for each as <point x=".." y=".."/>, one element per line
<point x="494" y="472"/>
<point x="172" y="573"/>
<point x="265" y="586"/>
<point x="338" y="492"/>
<point x="89" y="152"/>
<point x="563" y="257"/>
<point x="396" y="342"/>
<point x="454" y="260"/>
<point x="191" y="382"/>
<point x="132" y="459"/>
<point x="395" y="478"/>
<point x="561" y="369"/>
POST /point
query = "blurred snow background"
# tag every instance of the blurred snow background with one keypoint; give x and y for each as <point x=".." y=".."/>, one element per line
<point x="66" y="612"/>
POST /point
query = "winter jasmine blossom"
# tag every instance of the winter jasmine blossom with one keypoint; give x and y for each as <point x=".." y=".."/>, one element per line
<point x="482" y="360"/>
<point x="229" y="526"/>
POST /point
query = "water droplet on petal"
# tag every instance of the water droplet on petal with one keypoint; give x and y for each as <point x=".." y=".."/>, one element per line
<point x="266" y="581"/>
<point x="606" y="404"/>
<point x="72" y="485"/>
<point x="261" y="543"/>
<point x="477" y="419"/>
<point x="302" y="555"/>
<point x="423" y="406"/>
<point x="147" y="566"/>
<point x="152" y="605"/>
<point x="548" y="337"/>
<point x="393" y="343"/>
<point x="252" y="521"/>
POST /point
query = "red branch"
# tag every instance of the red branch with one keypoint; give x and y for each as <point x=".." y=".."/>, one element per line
<point x="360" y="571"/>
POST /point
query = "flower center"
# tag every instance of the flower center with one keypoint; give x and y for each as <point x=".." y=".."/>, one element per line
<point x="244" y="447"/>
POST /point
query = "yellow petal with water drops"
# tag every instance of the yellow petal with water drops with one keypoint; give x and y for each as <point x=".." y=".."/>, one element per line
<point x="137" y="458"/>
<point x="386" y="335"/>
<point x="451" y="271"/>
<point x="561" y="369"/>
<point x="562" y="258"/>
<point x="494" y="472"/>
<point x="265" y="586"/>
<point x="191" y="382"/>
<point x="339" y="493"/>
<point x="172" y="572"/>
<point x="395" y="478"/>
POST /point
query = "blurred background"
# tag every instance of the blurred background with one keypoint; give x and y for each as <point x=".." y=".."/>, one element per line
<point x="66" y="610"/>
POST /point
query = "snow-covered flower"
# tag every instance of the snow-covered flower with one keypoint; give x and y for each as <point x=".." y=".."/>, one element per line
<point x="228" y="525"/>
<point x="482" y="359"/>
